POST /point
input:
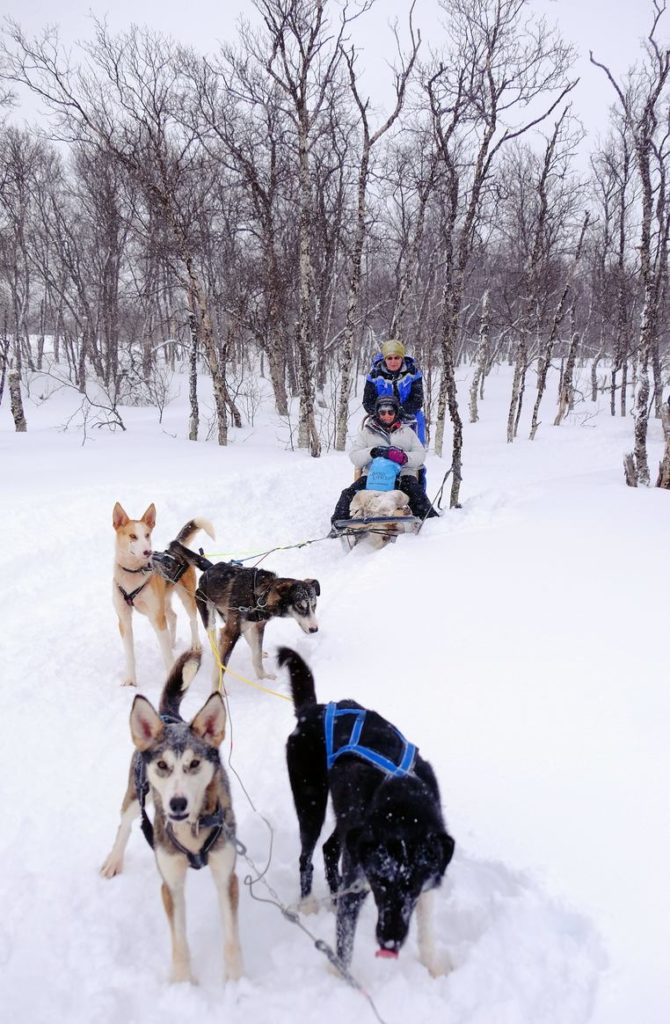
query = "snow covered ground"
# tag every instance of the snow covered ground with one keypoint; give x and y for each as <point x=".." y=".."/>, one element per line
<point x="520" y="642"/>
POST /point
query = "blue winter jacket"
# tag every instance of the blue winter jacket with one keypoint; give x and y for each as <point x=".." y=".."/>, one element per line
<point x="407" y="386"/>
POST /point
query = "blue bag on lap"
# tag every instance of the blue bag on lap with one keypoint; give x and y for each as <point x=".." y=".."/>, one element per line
<point x="382" y="475"/>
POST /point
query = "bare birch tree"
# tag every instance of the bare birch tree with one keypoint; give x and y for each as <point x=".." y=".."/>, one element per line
<point x="640" y="99"/>
<point x="500" y="62"/>
<point x="124" y="103"/>
<point x="303" y="61"/>
<point x="368" y="141"/>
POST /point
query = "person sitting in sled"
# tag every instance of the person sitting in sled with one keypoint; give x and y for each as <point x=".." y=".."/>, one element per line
<point x="384" y="436"/>
<point x="395" y="373"/>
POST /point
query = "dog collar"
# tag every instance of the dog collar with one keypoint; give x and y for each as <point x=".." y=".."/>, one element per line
<point x="354" y="746"/>
<point x="143" y="568"/>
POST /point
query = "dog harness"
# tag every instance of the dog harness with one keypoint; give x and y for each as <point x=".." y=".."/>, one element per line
<point x="215" y="821"/>
<point x="166" y="565"/>
<point x="354" y="746"/>
<point x="130" y="597"/>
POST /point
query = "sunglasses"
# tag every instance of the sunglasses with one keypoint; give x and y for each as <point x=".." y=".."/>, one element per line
<point x="388" y="411"/>
<point x="393" y="359"/>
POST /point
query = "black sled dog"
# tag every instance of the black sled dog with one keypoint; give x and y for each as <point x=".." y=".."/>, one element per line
<point x="389" y="834"/>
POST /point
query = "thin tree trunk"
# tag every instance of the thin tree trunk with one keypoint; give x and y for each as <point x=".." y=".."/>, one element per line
<point x="566" y="392"/>
<point x="16" y="401"/>
<point x="194" y="417"/>
<point x="664" y="466"/>
<point x="307" y="432"/>
<point x="481" y="358"/>
<point x="520" y="367"/>
<point x="594" y="375"/>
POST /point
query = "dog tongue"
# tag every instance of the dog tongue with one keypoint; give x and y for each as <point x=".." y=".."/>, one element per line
<point x="387" y="954"/>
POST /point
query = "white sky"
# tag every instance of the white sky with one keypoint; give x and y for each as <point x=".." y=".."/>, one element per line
<point x="612" y="28"/>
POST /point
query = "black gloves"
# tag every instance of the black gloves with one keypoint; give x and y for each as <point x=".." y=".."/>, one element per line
<point x="380" y="452"/>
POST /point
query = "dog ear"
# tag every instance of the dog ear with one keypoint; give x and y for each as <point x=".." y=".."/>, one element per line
<point x="314" y="584"/>
<point x="119" y="516"/>
<point x="210" y="722"/>
<point x="149" y="516"/>
<point x="145" y="723"/>
<point x="282" y="587"/>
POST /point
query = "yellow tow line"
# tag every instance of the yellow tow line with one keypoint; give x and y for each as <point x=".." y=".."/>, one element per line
<point x="211" y="635"/>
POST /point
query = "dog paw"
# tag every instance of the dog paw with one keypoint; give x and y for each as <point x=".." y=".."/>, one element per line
<point x="128" y="682"/>
<point x="267" y="675"/>
<point x="196" y="647"/>
<point x="308" y="905"/>
<point x="181" y="973"/>
<point x="112" y="866"/>
<point x="232" y="968"/>
<point x="437" y="965"/>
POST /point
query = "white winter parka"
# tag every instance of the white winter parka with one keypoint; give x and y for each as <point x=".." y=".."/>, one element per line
<point x="372" y="434"/>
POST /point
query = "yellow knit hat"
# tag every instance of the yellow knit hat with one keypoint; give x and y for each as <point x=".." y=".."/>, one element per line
<point x="393" y="347"/>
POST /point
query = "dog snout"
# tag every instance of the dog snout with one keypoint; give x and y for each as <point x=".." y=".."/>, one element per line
<point x="147" y="552"/>
<point x="393" y="925"/>
<point x="389" y="949"/>
<point x="178" y="805"/>
<point x="314" y="629"/>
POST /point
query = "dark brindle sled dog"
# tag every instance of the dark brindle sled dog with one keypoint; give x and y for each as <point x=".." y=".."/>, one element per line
<point x="178" y="764"/>
<point x="389" y="828"/>
<point x="246" y="599"/>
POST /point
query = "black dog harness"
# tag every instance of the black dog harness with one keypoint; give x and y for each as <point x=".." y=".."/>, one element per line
<point x="353" y="744"/>
<point x="258" y="612"/>
<point x="214" y="821"/>
<point x="162" y="562"/>
<point x="130" y="597"/>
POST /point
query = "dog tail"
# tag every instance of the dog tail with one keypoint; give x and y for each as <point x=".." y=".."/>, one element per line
<point x="188" y="532"/>
<point x="302" y="680"/>
<point x="178" y="682"/>
<point x="184" y="554"/>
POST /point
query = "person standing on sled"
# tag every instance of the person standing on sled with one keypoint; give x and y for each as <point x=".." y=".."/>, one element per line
<point x="385" y="436"/>
<point x="394" y="373"/>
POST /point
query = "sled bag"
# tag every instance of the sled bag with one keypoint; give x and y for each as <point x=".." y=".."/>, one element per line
<point x="382" y="475"/>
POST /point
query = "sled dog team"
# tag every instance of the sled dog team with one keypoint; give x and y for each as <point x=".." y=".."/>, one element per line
<point x="389" y="837"/>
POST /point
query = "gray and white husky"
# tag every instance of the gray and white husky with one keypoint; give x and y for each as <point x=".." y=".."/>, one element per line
<point x="179" y="766"/>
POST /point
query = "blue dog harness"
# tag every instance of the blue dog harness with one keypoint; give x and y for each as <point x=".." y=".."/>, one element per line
<point x="354" y="746"/>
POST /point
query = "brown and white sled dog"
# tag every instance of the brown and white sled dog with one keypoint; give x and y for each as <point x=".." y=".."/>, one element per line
<point x="246" y="599"/>
<point x="179" y="766"/>
<point x="136" y="586"/>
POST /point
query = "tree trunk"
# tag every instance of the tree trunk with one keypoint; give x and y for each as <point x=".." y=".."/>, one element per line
<point x="594" y="375"/>
<point x="194" y="417"/>
<point x="481" y="357"/>
<point x="566" y="392"/>
<point x="664" y="466"/>
<point x="520" y="366"/>
<point x="307" y="432"/>
<point x="448" y="397"/>
<point x="16" y="401"/>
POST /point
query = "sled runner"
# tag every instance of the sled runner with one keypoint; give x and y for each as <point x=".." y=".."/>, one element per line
<point x="380" y="529"/>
